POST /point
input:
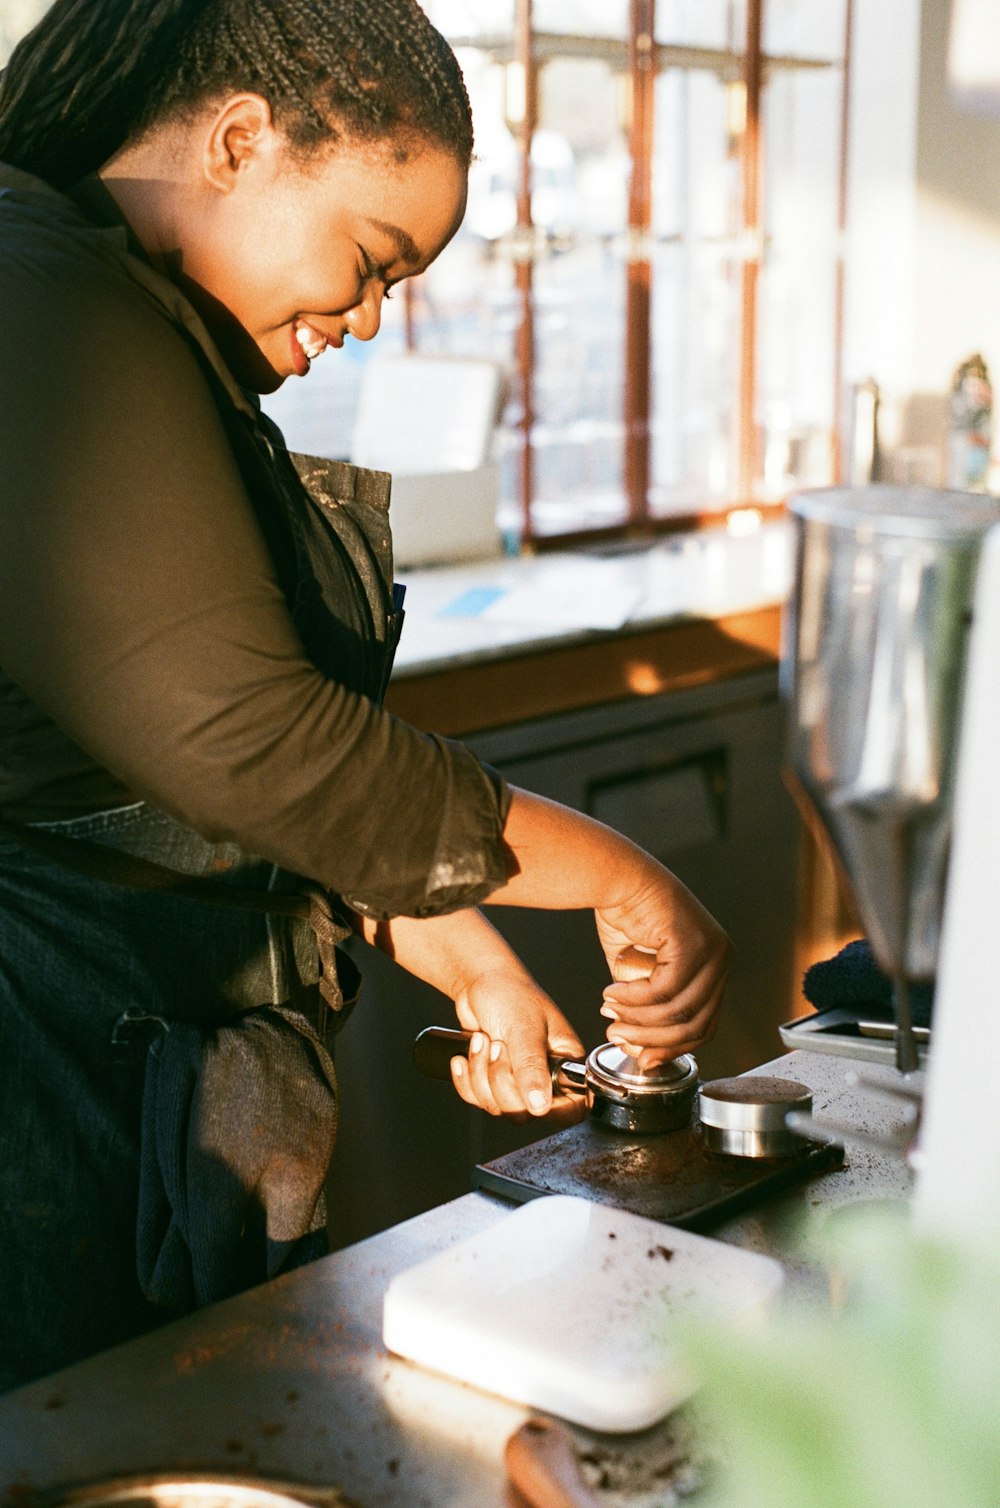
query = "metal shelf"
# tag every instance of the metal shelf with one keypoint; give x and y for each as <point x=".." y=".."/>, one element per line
<point x="547" y="45"/>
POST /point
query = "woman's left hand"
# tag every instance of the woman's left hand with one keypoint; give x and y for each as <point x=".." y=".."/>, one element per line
<point x="516" y="1029"/>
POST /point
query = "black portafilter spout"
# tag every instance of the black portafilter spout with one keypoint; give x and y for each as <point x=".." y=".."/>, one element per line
<point x="907" y="1060"/>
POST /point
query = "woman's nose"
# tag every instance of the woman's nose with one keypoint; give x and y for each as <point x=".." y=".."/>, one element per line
<point x="364" y="319"/>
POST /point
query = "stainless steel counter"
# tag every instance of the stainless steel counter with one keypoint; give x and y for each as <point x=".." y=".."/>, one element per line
<point x="291" y="1381"/>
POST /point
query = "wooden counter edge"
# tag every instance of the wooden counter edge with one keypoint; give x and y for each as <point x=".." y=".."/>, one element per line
<point x="464" y="699"/>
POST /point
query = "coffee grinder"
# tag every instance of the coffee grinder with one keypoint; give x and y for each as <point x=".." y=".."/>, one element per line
<point x="891" y="673"/>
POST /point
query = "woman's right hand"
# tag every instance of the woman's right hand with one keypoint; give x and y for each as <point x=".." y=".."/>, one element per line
<point x="667" y="956"/>
<point x="669" y="960"/>
<point x="516" y="1027"/>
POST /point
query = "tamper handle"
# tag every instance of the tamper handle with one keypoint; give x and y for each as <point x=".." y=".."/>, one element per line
<point x="437" y="1045"/>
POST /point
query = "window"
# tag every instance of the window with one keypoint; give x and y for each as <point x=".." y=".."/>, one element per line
<point x="651" y="251"/>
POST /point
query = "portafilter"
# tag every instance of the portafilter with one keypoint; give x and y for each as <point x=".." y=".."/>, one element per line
<point x="617" y="1091"/>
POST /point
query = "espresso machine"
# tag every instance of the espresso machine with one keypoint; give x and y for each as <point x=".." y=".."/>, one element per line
<point x="891" y="672"/>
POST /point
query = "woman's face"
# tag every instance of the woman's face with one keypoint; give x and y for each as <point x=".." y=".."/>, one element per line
<point x="284" y="258"/>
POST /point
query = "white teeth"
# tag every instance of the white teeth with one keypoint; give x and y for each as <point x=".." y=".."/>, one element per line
<point x="312" y="343"/>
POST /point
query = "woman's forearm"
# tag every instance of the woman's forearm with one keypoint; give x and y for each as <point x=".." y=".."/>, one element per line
<point x="667" y="958"/>
<point x="444" y="951"/>
<point x="565" y="860"/>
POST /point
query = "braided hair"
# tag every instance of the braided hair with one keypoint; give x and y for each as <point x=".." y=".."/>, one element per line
<point x="95" y="74"/>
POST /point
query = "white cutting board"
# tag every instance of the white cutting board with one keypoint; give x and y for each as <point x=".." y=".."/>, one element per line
<point x="568" y="1306"/>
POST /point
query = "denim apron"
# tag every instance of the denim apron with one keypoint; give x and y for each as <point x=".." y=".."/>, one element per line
<point x="169" y="1101"/>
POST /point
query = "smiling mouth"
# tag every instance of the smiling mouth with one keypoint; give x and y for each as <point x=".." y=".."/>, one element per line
<point x="312" y="342"/>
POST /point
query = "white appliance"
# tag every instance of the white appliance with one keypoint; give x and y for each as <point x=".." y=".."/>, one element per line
<point x="958" y="1177"/>
<point x="892" y="674"/>
<point x="431" y="422"/>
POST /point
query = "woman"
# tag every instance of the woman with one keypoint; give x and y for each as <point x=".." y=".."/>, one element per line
<point x="198" y="199"/>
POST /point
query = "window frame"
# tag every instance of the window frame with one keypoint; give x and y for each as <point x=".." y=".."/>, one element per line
<point x="644" y="57"/>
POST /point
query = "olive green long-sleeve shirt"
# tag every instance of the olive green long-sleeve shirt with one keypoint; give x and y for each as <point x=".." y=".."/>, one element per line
<point x="146" y="647"/>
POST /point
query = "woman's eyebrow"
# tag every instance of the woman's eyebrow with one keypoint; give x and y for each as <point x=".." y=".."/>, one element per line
<point x="406" y="247"/>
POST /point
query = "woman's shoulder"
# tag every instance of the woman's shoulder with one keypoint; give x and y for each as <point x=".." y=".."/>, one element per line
<point x="42" y="227"/>
<point x="76" y="294"/>
<point x="58" y="264"/>
<point x="84" y="279"/>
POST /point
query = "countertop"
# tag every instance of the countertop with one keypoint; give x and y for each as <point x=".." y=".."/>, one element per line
<point x="464" y="614"/>
<point x="290" y="1381"/>
<point x="503" y="642"/>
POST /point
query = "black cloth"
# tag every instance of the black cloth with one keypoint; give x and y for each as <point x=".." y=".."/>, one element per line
<point x="852" y="980"/>
<point x="92" y="975"/>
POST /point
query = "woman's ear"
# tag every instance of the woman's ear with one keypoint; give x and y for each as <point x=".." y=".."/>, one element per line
<point x="240" y="134"/>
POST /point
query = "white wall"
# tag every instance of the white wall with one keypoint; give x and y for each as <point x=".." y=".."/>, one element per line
<point x="924" y="221"/>
<point x="879" y="333"/>
<point x="16" y="18"/>
<point x="958" y="236"/>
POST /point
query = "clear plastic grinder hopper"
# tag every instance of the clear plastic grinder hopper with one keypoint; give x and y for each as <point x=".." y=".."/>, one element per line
<point x="873" y="667"/>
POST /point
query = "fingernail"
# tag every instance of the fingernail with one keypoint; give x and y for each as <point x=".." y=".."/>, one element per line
<point x="458" y="1067"/>
<point x="606" y="1010"/>
<point x="476" y="1042"/>
<point x="537" y="1100"/>
<point x="496" y="1048"/>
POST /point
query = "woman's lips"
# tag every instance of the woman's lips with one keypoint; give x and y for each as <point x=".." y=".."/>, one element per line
<point x="300" y="361"/>
<point x="308" y="343"/>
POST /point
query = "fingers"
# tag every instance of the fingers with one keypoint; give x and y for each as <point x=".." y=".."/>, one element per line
<point x="651" y="1045"/>
<point x="511" y="1075"/>
<point x="652" y="1022"/>
<point x="662" y="1005"/>
<point x="661" y="994"/>
<point x="563" y="1109"/>
<point x="485" y="1079"/>
<point x="665" y="933"/>
<point x="503" y="1080"/>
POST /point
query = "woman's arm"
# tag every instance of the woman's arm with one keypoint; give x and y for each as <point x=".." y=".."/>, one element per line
<point x="142" y="618"/>
<point x="667" y="956"/>
<point x="515" y="1025"/>
<point x="668" y="959"/>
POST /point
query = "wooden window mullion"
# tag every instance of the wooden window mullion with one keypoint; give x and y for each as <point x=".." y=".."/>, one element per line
<point x="524" y="53"/>
<point x="638" y="292"/>
<point x="748" y="462"/>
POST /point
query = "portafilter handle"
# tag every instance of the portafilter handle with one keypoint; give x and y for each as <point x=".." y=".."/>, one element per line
<point x="437" y="1045"/>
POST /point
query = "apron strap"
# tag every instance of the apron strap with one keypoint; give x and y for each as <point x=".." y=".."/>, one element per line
<point x="96" y="862"/>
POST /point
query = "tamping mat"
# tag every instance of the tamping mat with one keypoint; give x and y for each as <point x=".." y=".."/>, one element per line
<point x="670" y="1177"/>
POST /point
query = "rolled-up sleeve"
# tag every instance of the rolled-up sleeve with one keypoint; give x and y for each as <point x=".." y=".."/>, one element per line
<point x="140" y="612"/>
